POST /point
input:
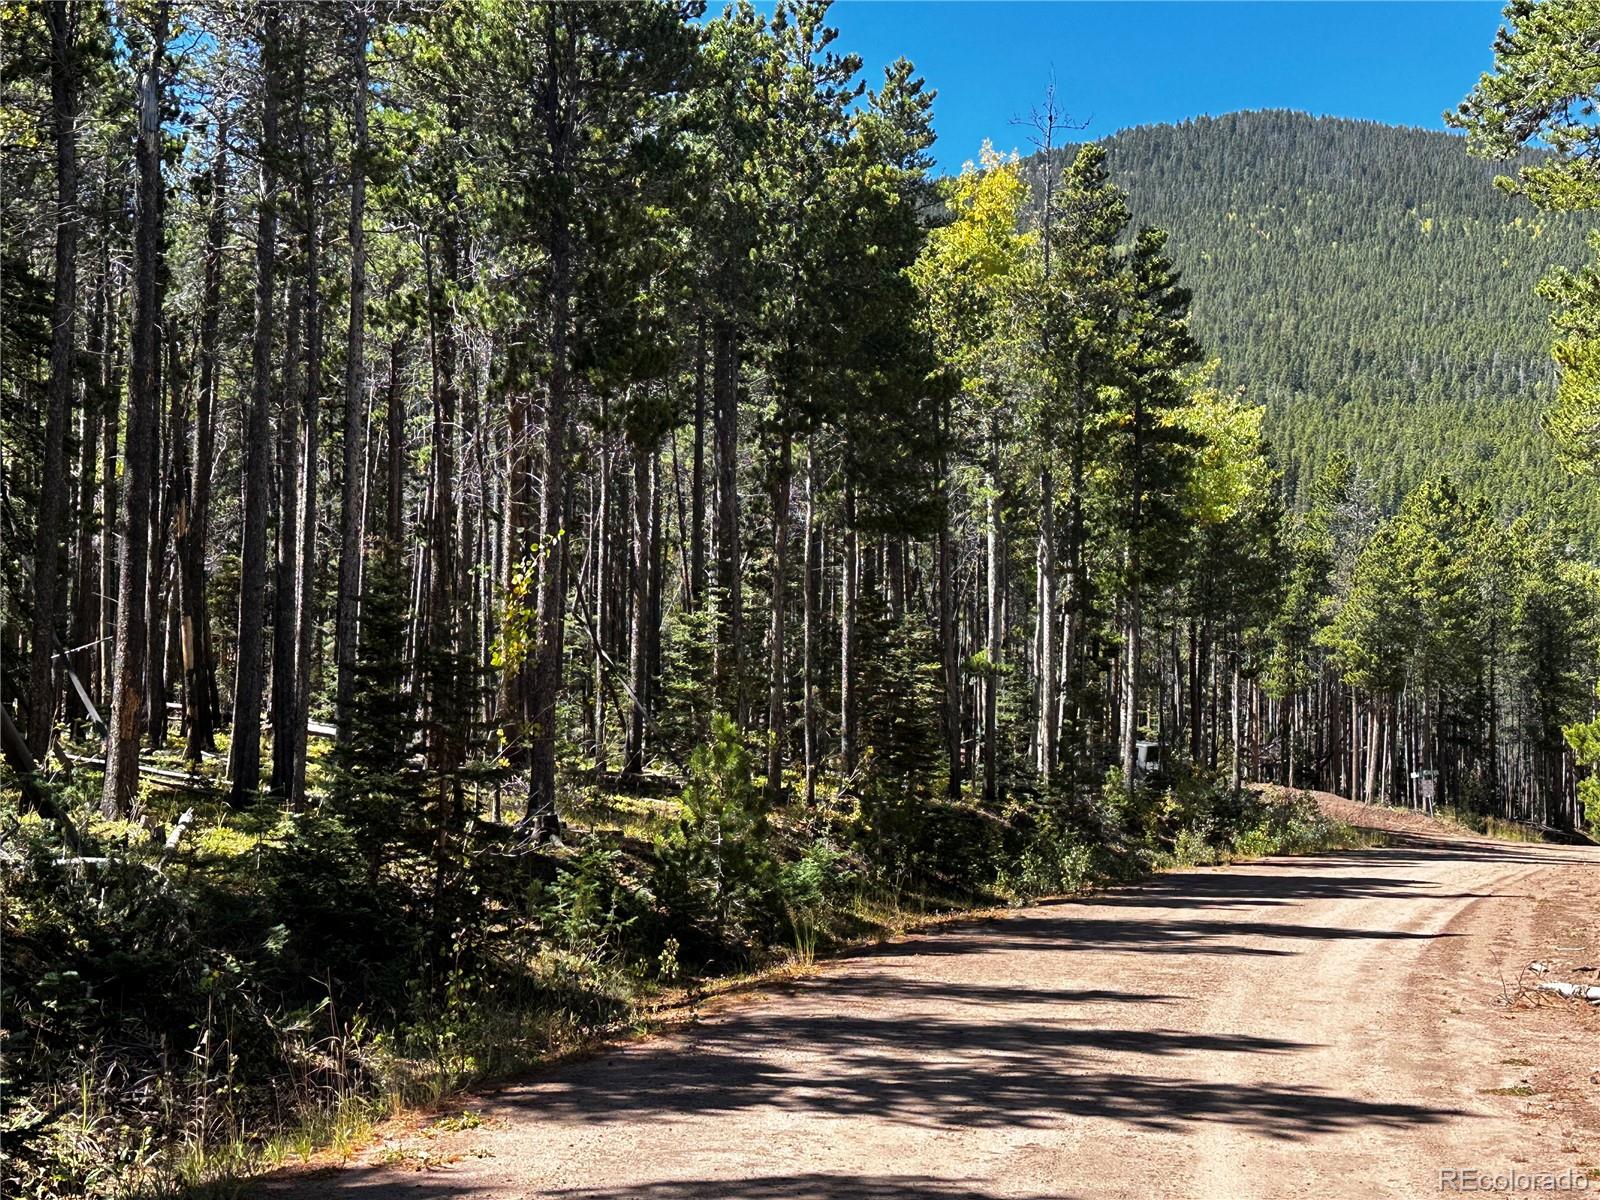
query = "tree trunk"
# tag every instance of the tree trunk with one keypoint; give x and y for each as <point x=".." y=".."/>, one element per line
<point x="127" y="687"/>
<point x="347" y="616"/>
<point x="1072" y="635"/>
<point x="777" y="720"/>
<point x="808" y="630"/>
<point x="110" y="489"/>
<point x="305" y="607"/>
<point x="287" y="544"/>
<point x="697" y="487"/>
<point x="1374" y="751"/>
<point x="1354" y="782"/>
<point x="394" y="474"/>
<point x="53" y="475"/>
<point x="1236" y="771"/>
<point x="169" y="434"/>
<point x="639" y="633"/>
<point x="949" y="659"/>
<point x="86" y="601"/>
<point x="443" y="736"/>
<point x="730" y="641"/>
<point x="1133" y="637"/>
<point x="849" y="603"/>
<point x="1197" y="665"/>
<point x="194" y="527"/>
<point x="551" y="613"/>
<point x="603" y="592"/>
<point x="244" y="757"/>
<point x="991" y="739"/>
<point x="1045" y="733"/>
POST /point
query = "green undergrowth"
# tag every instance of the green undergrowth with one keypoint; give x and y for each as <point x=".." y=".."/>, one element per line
<point x="177" y="1021"/>
<point x="1492" y="826"/>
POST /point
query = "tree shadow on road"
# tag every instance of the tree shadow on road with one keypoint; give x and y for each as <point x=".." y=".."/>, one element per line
<point x="937" y="1072"/>
<point x="800" y="1187"/>
<point x="1069" y="929"/>
<point x="363" y="1182"/>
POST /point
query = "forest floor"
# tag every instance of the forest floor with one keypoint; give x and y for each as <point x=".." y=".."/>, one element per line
<point x="1351" y="1023"/>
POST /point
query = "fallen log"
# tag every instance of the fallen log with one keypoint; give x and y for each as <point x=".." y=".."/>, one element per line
<point x="1574" y="991"/>
<point x="35" y="794"/>
<point x="173" y="779"/>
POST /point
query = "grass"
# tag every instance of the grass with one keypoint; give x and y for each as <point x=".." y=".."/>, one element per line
<point x="455" y="1123"/>
<point x="1490" y="826"/>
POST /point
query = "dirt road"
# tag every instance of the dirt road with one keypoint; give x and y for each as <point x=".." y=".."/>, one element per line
<point x="1331" y="1025"/>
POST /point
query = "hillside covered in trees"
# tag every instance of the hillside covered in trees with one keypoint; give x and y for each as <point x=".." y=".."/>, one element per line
<point x="512" y="506"/>
<point x="1373" y="290"/>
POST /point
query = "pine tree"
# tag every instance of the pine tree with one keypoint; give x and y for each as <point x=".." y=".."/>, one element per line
<point x="1541" y="92"/>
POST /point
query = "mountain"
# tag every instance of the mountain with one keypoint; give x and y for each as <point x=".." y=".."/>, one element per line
<point x="1373" y="289"/>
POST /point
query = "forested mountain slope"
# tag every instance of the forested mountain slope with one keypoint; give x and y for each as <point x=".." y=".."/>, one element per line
<point x="1372" y="287"/>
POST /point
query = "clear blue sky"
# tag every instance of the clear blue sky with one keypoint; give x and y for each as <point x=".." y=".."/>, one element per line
<point x="1135" y="63"/>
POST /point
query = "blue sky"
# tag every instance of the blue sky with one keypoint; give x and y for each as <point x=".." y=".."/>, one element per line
<point x="1134" y="63"/>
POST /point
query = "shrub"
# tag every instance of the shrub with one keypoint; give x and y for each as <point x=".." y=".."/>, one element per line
<point x="594" y="910"/>
<point x="716" y="875"/>
<point x="809" y="889"/>
<point x="911" y="838"/>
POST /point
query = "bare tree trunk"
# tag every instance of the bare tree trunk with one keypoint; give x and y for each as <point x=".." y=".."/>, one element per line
<point x="1286" y="721"/>
<point x="808" y="629"/>
<point x="87" y="569"/>
<point x="1134" y="630"/>
<point x="730" y="641"/>
<point x="604" y="596"/>
<point x="1374" y="752"/>
<point x="658" y="571"/>
<point x="244" y="757"/>
<point x="305" y="607"/>
<point x="686" y="594"/>
<point x="1049" y="700"/>
<point x="1197" y="666"/>
<point x="949" y="659"/>
<point x="195" y="524"/>
<point x="444" y="743"/>
<point x="697" y="488"/>
<point x="347" y="637"/>
<point x="110" y="501"/>
<point x="848" y="604"/>
<point x="1236" y="771"/>
<point x="395" y="470"/>
<point x="287" y="543"/>
<point x="47" y="606"/>
<point x="551" y="614"/>
<point x="442" y="734"/>
<point x="991" y="688"/>
<point x="158" y="579"/>
<point x="639" y="633"/>
<point x="1133" y="639"/>
<point x="1355" y="746"/>
<point x="777" y="720"/>
<point x="521" y="550"/>
<point x="1076" y="599"/>
<point x="122" y="748"/>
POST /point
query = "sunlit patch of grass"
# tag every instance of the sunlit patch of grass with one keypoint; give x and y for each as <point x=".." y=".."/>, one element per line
<point x="1490" y="826"/>
<point x="458" y="1122"/>
<point x="220" y="842"/>
<point x="642" y="818"/>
